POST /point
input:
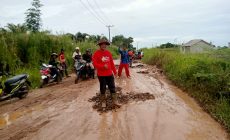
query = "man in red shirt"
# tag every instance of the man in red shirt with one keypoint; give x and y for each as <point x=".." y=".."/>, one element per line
<point x="103" y="62"/>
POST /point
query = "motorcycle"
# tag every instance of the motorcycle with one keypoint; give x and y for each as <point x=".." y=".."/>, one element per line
<point x="17" y="86"/>
<point x="80" y="70"/>
<point x="89" y="71"/>
<point x="47" y="76"/>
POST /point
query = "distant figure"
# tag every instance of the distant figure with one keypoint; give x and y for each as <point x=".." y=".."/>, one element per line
<point x="54" y="63"/>
<point x="142" y="54"/>
<point x="131" y="57"/>
<point x="124" y="62"/>
<point x="139" y="55"/>
<point x="63" y="62"/>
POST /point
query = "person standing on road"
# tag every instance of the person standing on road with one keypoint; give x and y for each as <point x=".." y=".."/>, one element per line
<point x="63" y="62"/>
<point x="131" y="56"/>
<point x="103" y="62"/>
<point x="124" y="62"/>
<point x="54" y="64"/>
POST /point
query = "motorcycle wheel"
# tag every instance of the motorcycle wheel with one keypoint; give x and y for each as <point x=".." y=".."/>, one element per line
<point x="21" y="96"/>
<point x="59" y="78"/>
<point x="43" y="83"/>
<point x="77" y="78"/>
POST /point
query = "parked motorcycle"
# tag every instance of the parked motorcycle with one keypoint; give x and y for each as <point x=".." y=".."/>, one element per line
<point x="17" y="86"/>
<point x="47" y="76"/>
<point x="89" y="71"/>
<point x="80" y="70"/>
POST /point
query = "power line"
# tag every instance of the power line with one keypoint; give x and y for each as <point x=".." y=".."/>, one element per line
<point x="92" y="13"/>
<point x="101" y="11"/>
<point x="95" y="11"/>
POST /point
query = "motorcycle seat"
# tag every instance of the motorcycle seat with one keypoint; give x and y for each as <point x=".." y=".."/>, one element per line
<point x="15" y="79"/>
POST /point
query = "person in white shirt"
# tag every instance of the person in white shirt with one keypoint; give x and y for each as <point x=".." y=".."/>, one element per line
<point x="77" y="57"/>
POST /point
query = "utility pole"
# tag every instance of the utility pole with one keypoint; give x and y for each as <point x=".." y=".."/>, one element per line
<point x="109" y="26"/>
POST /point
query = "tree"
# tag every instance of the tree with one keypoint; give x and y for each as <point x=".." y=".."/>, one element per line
<point x="168" y="45"/>
<point x="19" y="28"/>
<point x="120" y="40"/>
<point x="33" y="16"/>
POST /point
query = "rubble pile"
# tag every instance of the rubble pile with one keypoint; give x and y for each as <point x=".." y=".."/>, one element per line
<point x="122" y="99"/>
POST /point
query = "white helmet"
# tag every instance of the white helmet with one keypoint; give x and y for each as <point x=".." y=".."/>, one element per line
<point x="77" y="48"/>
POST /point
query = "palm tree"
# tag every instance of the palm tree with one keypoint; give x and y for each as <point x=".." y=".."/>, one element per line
<point x="19" y="28"/>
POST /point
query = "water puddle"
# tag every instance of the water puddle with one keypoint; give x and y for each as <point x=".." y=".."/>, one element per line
<point x="7" y="118"/>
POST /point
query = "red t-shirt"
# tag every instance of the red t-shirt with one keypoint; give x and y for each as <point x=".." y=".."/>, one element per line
<point x="62" y="57"/>
<point x="100" y="58"/>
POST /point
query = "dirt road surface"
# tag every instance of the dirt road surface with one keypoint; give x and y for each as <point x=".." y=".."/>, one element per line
<point x="62" y="112"/>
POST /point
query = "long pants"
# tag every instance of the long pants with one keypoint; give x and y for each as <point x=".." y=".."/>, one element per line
<point x="126" y="66"/>
<point x="107" y="80"/>
<point x="64" y="66"/>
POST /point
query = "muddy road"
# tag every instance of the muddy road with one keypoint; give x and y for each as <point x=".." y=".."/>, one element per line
<point x="63" y="112"/>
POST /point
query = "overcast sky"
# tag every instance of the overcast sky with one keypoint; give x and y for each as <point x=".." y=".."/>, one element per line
<point x="149" y="22"/>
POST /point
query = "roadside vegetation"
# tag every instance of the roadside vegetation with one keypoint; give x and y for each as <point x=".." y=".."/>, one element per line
<point x="25" y="52"/>
<point x="205" y="76"/>
<point x="24" y="47"/>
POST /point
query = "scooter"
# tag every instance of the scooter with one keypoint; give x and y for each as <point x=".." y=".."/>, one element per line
<point x="80" y="70"/>
<point x="47" y="77"/>
<point x="89" y="71"/>
<point x="17" y="86"/>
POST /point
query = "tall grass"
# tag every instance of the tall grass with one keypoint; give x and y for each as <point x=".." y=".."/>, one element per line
<point x="24" y="52"/>
<point x="202" y="75"/>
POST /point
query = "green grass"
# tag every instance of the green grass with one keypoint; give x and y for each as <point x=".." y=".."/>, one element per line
<point x="202" y="75"/>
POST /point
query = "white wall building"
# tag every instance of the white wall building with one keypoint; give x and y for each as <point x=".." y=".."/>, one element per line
<point x="196" y="46"/>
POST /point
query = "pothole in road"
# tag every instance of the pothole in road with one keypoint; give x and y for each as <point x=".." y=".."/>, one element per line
<point x="123" y="98"/>
<point x="144" y="71"/>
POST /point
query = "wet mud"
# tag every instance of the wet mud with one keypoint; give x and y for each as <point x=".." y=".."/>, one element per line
<point x="122" y="99"/>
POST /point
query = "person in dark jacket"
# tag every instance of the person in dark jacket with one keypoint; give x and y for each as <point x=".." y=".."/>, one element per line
<point x="54" y="63"/>
<point x="124" y="62"/>
<point x="87" y="57"/>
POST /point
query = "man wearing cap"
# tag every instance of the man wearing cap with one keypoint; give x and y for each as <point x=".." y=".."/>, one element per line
<point x="103" y="62"/>
<point x="76" y="56"/>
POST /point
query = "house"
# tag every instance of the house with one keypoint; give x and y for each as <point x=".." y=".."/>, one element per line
<point x="196" y="46"/>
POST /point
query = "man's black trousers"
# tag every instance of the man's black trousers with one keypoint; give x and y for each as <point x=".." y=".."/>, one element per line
<point x="107" y="81"/>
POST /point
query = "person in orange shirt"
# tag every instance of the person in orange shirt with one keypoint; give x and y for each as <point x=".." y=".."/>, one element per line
<point x="63" y="62"/>
<point x="131" y="56"/>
